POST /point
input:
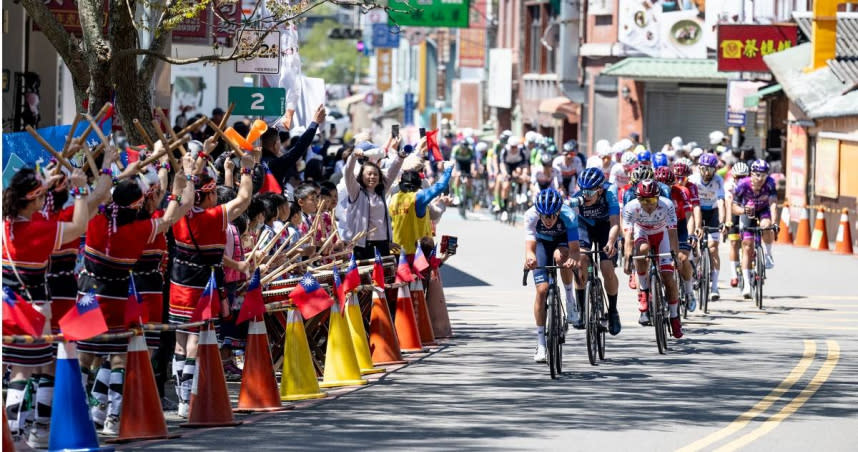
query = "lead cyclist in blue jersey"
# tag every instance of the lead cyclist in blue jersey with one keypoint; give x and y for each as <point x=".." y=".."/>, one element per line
<point x="598" y="222"/>
<point x="551" y="232"/>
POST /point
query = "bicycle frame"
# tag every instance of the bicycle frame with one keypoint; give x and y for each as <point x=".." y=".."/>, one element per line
<point x="595" y="306"/>
<point x="659" y="311"/>
<point x="555" y="320"/>
<point x="758" y="269"/>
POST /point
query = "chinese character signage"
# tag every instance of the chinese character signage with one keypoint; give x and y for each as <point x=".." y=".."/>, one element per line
<point x="384" y="36"/>
<point x="384" y="70"/>
<point x="742" y="47"/>
<point x="429" y="13"/>
<point x="267" y="56"/>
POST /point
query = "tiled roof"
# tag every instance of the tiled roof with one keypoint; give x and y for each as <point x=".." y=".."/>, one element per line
<point x="668" y="69"/>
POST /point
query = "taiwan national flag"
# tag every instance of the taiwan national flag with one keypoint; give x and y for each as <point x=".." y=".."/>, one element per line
<point x="20" y="316"/>
<point x="134" y="306"/>
<point x="253" y="306"/>
<point x="269" y="182"/>
<point x="420" y="262"/>
<point x="403" y="270"/>
<point x="84" y="320"/>
<point x="378" y="271"/>
<point x="208" y="305"/>
<point x="339" y="289"/>
<point x="309" y="297"/>
<point x="432" y="144"/>
<point x="352" y="278"/>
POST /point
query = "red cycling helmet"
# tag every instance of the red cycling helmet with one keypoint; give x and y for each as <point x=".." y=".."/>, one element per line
<point x="647" y="189"/>
<point x="664" y="175"/>
<point x="680" y="169"/>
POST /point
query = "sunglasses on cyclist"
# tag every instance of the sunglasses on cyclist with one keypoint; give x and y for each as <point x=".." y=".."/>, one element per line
<point x="549" y="217"/>
<point x="590" y="193"/>
<point x="649" y="201"/>
<point x="758" y="174"/>
<point x="707" y="169"/>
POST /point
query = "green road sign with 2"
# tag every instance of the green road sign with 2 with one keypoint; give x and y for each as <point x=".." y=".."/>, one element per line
<point x="251" y="101"/>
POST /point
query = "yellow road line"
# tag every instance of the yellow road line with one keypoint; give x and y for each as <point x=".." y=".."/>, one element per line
<point x="771" y="423"/>
<point x="761" y="406"/>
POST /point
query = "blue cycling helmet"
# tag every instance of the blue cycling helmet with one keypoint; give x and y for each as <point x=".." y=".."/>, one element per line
<point x="760" y="166"/>
<point x="644" y="157"/>
<point x="549" y="201"/>
<point x="660" y="160"/>
<point x="591" y="178"/>
<point x="708" y="160"/>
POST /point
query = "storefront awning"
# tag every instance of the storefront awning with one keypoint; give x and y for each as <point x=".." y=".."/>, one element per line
<point x="669" y="69"/>
<point x="753" y="100"/>
<point x="560" y="107"/>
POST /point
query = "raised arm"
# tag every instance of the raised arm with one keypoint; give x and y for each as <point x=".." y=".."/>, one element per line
<point x="80" y="219"/>
<point x="237" y="206"/>
<point x="182" y="197"/>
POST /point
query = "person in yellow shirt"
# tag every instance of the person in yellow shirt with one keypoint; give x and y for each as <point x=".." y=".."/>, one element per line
<point x="408" y="208"/>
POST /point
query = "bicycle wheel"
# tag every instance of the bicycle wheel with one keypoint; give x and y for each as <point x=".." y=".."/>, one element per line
<point x="759" y="274"/>
<point x="602" y="315"/>
<point x="592" y="320"/>
<point x="557" y="350"/>
<point x="550" y="338"/>
<point x="656" y="301"/>
<point x="553" y="325"/>
<point x="739" y="276"/>
<point x="705" y="284"/>
<point x="683" y="297"/>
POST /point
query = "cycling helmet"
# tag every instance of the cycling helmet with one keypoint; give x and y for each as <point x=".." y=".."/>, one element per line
<point x="740" y="169"/>
<point x="622" y="146"/>
<point x="591" y="178"/>
<point x="482" y="147"/>
<point x="603" y="148"/>
<point x="685" y="161"/>
<point x="696" y="153"/>
<point x="628" y="158"/>
<point x="665" y="175"/>
<point x="708" y="160"/>
<point x="506" y="134"/>
<point x="570" y="146"/>
<point x="647" y="189"/>
<point x="716" y="137"/>
<point x="548" y="201"/>
<point x="644" y="157"/>
<point x="514" y="140"/>
<point x="676" y="143"/>
<point x="551" y="149"/>
<point x="545" y="158"/>
<point x="681" y="169"/>
<point x="531" y="137"/>
<point x="659" y="160"/>
<point x="642" y="173"/>
<point x="760" y="166"/>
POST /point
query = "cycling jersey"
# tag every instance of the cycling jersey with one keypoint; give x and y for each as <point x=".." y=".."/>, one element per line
<point x="710" y="192"/>
<point x="618" y="176"/>
<point x="543" y="179"/>
<point x="464" y="153"/>
<point x="662" y="218"/>
<point x="691" y="192"/>
<point x="744" y="194"/>
<point x="568" y="171"/>
<point x="680" y="200"/>
<point x="565" y="229"/>
<point x="600" y="211"/>
<point x="511" y="160"/>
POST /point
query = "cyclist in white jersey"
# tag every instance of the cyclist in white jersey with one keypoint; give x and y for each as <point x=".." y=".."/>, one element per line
<point x="545" y="175"/>
<point x="650" y="221"/>
<point x="710" y="190"/>
<point x="569" y="166"/>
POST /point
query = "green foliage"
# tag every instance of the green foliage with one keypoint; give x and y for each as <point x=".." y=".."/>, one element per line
<point x="331" y="59"/>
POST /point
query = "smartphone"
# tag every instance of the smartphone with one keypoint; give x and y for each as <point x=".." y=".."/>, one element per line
<point x="449" y="244"/>
<point x="422" y="132"/>
<point x="394" y="130"/>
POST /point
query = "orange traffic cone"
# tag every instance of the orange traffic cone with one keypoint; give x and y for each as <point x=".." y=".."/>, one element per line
<point x="438" y="308"/>
<point x="259" y="390"/>
<point x="784" y="237"/>
<point x="424" y="321"/>
<point x="802" y="233"/>
<point x="383" y="343"/>
<point x="844" y="235"/>
<point x="406" y="323"/>
<point x="819" y="240"/>
<point x="210" y="405"/>
<point x="142" y="416"/>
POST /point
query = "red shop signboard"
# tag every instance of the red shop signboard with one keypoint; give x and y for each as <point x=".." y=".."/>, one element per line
<point x="741" y="48"/>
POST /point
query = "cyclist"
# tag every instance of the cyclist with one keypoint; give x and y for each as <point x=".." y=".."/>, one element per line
<point x="641" y="173"/>
<point x="650" y="222"/>
<point x="598" y="222"/>
<point x="569" y="166"/>
<point x="513" y="166"/>
<point x="739" y="171"/>
<point x="621" y="174"/>
<point x="493" y="169"/>
<point x="659" y="160"/>
<point x="644" y="156"/>
<point x="551" y="231"/>
<point x="710" y="188"/>
<point x="685" y="221"/>
<point x="532" y="143"/>
<point x="755" y="200"/>
<point x="466" y="165"/>
<point x="544" y="174"/>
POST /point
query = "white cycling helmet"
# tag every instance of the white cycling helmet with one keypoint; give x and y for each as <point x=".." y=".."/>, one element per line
<point x="676" y="142"/>
<point x="506" y="134"/>
<point x="696" y="153"/>
<point x="594" y="161"/>
<point x="716" y="137"/>
<point x="531" y="137"/>
<point x="603" y="148"/>
<point x="514" y="140"/>
<point x="622" y="146"/>
<point x="628" y="158"/>
<point x="482" y="146"/>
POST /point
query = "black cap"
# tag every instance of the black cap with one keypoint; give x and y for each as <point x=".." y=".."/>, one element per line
<point x="218" y="111"/>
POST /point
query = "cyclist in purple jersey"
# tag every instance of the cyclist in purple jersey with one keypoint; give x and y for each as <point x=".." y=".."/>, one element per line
<point x="755" y="200"/>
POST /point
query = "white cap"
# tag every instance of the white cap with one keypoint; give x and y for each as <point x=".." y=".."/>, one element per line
<point x="716" y="137"/>
<point x="594" y="161"/>
<point x="676" y="142"/>
<point x="603" y="148"/>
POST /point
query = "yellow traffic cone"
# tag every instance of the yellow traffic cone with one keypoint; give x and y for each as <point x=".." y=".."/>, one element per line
<point x="299" y="376"/>
<point x="341" y="366"/>
<point x="359" y="340"/>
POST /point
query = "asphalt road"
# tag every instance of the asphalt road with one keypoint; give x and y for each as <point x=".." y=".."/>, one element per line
<point x="778" y="379"/>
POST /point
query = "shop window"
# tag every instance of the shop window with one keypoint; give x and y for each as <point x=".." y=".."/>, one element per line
<point x="849" y="168"/>
<point x="538" y="58"/>
<point x="604" y="20"/>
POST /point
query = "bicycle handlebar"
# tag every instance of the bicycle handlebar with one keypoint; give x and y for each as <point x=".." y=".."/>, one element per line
<point x="544" y="267"/>
<point x="647" y="256"/>
<point x="757" y="228"/>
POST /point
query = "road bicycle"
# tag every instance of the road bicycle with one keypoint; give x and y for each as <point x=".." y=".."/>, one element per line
<point x="758" y="267"/>
<point x="555" y="321"/>
<point x="704" y="269"/>
<point x="464" y="194"/>
<point x="659" y="312"/>
<point x="595" y="309"/>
